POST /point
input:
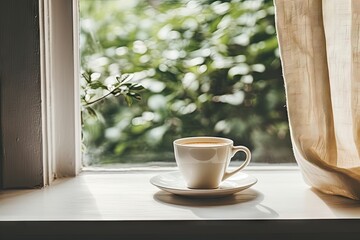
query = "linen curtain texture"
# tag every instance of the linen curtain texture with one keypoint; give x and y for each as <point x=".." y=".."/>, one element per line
<point x="319" y="44"/>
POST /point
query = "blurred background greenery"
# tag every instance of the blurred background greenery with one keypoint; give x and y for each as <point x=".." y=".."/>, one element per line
<point x="209" y="68"/>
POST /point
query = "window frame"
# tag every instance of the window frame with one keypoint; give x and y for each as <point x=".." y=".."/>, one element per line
<point x="59" y="34"/>
<point x="60" y="29"/>
<point x="60" y="64"/>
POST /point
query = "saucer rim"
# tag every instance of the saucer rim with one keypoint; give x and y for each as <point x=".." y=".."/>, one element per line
<point x="203" y="192"/>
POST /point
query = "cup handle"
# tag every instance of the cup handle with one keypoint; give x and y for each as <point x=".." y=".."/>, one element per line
<point x="234" y="150"/>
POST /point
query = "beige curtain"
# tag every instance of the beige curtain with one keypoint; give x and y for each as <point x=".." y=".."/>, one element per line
<point x="320" y="51"/>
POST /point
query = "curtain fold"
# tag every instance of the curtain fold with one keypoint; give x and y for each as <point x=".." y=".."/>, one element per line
<point x="319" y="46"/>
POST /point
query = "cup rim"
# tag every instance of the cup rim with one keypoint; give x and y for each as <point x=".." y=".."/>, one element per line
<point x="180" y="141"/>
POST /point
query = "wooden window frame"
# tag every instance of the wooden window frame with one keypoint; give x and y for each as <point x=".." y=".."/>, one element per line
<point x="60" y="88"/>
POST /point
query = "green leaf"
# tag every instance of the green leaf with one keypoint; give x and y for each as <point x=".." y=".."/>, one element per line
<point x="137" y="87"/>
<point x="135" y="95"/>
<point x="87" y="77"/>
<point x="97" y="84"/>
<point x="124" y="78"/>
<point x="127" y="84"/>
<point x="118" y="78"/>
<point x="91" y="112"/>
<point x="127" y="77"/>
<point x="128" y="100"/>
<point x="116" y="92"/>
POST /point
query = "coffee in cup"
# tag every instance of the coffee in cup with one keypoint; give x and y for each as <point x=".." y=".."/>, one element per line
<point x="203" y="161"/>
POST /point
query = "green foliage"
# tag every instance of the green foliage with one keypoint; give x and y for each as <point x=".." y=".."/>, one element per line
<point x="122" y="87"/>
<point x="209" y="67"/>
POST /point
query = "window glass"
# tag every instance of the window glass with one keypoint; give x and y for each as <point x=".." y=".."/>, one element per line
<point x="208" y="68"/>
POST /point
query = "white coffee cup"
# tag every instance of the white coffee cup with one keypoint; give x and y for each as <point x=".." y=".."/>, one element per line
<point x="203" y="161"/>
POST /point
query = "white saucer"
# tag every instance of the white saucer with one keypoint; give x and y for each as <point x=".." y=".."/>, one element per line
<point x="174" y="183"/>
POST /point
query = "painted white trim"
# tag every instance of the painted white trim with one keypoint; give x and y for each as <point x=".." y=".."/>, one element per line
<point x="60" y="89"/>
<point x="48" y="173"/>
<point x="76" y="85"/>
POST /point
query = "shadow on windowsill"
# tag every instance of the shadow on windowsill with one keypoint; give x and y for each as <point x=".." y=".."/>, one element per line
<point x="238" y="206"/>
<point x="338" y="204"/>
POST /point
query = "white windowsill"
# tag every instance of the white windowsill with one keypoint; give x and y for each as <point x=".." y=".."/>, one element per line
<point x="127" y="197"/>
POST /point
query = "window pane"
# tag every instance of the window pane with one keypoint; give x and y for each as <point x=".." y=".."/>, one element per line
<point x="208" y="68"/>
